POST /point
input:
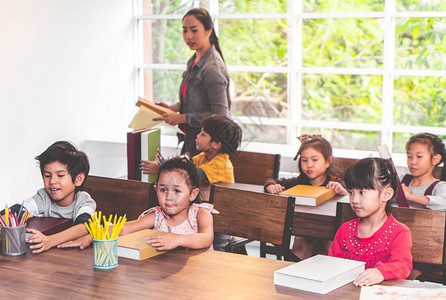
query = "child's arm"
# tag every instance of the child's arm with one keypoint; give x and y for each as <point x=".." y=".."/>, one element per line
<point x="398" y="266"/>
<point x="337" y="187"/>
<point x="200" y="240"/>
<point x="420" y="199"/>
<point x="82" y="242"/>
<point x="41" y="242"/>
<point x="436" y="201"/>
<point x="144" y="222"/>
<point x="274" y="188"/>
<point x="369" y="277"/>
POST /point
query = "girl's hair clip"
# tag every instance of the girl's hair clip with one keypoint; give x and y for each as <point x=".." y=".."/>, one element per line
<point x="185" y="156"/>
<point x="305" y="137"/>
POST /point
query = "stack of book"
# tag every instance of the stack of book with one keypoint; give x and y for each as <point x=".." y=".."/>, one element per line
<point x="144" y="141"/>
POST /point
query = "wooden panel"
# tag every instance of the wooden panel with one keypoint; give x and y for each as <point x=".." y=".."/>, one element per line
<point x="313" y="225"/>
<point x="427" y="228"/>
<point x="255" y="216"/>
<point x="255" y="168"/>
<point x="340" y="165"/>
<point x="118" y="196"/>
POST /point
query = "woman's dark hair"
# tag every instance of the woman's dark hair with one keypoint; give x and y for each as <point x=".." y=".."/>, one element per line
<point x="186" y="166"/>
<point x="318" y="143"/>
<point x="66" y="153"/>
<point x="224" y="130"/>
<point x="372" y="173"/>
<point x="203" y="16"/>
<point x="435" y="145"/>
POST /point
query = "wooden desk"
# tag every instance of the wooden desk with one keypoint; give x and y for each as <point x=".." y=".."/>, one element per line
<point x="315" y="221"/>
<point x="177" y="274"/>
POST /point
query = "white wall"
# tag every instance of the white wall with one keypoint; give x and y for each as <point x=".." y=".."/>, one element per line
<point x="66" y="73"/>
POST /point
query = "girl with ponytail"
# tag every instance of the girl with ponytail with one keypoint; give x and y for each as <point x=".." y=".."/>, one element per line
<point x="425" y="151"/>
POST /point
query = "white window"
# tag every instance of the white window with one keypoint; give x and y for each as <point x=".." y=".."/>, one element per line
<point x="359" y="72"/>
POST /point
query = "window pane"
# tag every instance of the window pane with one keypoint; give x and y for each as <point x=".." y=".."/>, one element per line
<point x="254" y="42"/>
<point x="163" y="42"/>
<point x="348" y="139"/>
<point x="421" y="43"/>
<point x="420" y="5"/>
<point x="420" y="101"/>
<point x="171" y="7"/>
<point x="259" y="94"/>
<point x="248" y="6"/>
<point x="343" y="43"/>
<point x="166" y="84"/>
<point x="262" y="133"/>
<point x="343" y="6"/>
<point x="346" y="98"/>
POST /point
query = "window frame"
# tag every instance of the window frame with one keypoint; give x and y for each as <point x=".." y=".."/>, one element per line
<point x="295" y="70"/>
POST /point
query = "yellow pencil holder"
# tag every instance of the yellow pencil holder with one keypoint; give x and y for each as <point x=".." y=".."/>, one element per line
<point x="105" y="254"/>
<point x="13" y="240"/>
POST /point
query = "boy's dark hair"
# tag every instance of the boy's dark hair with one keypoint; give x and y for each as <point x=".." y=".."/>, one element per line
<point x="318" y="143"/>
<point x="66" y="153"/>
<point x="372" y="173"/>
<point x="435" y="145"/>
<point x="185" y="165"/>
<point x="223" y="130"/>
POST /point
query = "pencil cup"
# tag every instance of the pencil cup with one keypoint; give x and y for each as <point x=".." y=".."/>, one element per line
<point x="13" y="240"/>
<point x="105" y="254"/>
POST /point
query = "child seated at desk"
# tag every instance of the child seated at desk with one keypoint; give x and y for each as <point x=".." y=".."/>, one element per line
<point x="425" y="151"/>
<point x="219" y="138"/>
<point x="189" y="224"/>
<point x="376" y="237"/>
<point x="315" y="158"/>
<point x="64" y="170"/>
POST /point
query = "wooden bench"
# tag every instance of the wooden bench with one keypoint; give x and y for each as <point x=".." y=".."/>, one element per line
<point x="119" y="196"/>
<point x="255" y="168"/>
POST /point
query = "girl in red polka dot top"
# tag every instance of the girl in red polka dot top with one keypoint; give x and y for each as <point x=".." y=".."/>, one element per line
<point x="376" y="237"/>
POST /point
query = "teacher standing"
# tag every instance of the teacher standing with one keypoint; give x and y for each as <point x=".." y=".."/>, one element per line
<point x="204" y="89"/>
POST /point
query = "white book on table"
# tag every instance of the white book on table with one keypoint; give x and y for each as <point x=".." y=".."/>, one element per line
<point x="319" y="274"/>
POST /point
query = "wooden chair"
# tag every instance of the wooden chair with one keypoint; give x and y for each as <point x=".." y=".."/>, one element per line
<point x="255" y="168"/>
<point x="119" y="196"/>
<point x="255" y="216"/>
<point x="428" y="235"/>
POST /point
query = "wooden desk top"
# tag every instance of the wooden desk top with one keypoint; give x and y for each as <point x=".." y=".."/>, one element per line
<point x="177" y="274"/>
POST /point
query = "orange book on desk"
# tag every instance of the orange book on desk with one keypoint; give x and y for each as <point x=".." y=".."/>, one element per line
<point x="309" y="194"/>
<point x="134" y="245"/>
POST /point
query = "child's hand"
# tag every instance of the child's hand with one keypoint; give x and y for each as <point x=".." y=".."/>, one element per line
<point x="82" y="242"/>
<point x="369" y="277"/>
<point x="164" y="241"/>
<point x="275" y="188"/>
<point x="337" y="187"/>
<point x="39" y="241"/>
<point x="406" y="190"/>
<point x="149" y="166"/>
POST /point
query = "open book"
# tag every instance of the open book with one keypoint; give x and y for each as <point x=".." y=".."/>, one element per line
<point x="147" y="112"/>
<point x="401" y="199"/>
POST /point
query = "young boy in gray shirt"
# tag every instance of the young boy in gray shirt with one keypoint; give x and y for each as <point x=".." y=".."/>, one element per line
<point x="64" y="170"/>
